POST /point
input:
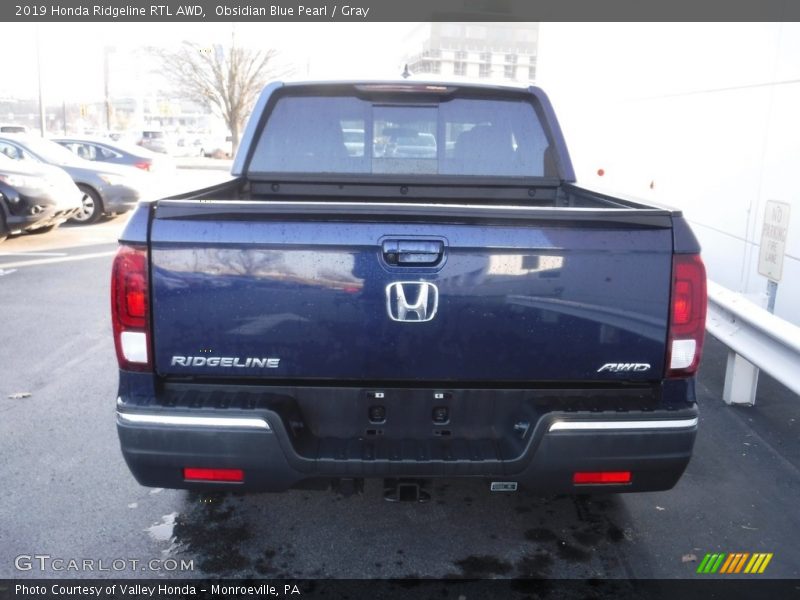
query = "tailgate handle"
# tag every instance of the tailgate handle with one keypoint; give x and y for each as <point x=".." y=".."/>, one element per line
<point x="412" y="252"/>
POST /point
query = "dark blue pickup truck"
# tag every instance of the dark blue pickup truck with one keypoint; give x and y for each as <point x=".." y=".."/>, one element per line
<point x="404" y="282"/>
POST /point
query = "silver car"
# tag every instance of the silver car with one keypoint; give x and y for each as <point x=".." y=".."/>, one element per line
<point x="118" y="153"/>
<point x="106" y="189"/>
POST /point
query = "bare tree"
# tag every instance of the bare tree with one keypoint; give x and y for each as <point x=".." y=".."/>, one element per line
<point x="226" y="80"/>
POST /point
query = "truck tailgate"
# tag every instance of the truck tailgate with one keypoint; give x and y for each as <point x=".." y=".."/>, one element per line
<point x="303" y="291"/>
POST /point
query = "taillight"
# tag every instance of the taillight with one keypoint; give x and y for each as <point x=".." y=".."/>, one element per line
<point x="687" y="319"/>
<point x="130" y="308"/>
<point x="144" y="165"/>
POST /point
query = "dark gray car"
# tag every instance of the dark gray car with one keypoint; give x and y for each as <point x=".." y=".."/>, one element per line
<point x="107" y="189"/>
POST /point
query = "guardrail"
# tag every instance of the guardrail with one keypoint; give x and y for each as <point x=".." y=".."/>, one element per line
<point x="756" y="340"/>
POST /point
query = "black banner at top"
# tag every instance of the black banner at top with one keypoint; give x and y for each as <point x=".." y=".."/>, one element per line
<point x="397" y="10"/>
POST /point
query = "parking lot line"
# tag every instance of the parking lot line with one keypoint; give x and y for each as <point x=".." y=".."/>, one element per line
<point x="48" y="261"/>
<point x="2" y="254"/>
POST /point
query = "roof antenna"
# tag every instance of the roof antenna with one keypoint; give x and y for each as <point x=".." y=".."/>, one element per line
<point x="406" y="73"/>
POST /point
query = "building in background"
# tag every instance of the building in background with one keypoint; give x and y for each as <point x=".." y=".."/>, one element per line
<point x="707" y="128"/>
<point x="152" y="111"/>
<point x="494" y="51"/>
<point x="128" y="94"/>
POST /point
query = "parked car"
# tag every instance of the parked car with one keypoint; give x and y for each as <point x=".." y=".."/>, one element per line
<point x="156" y="140"/>
<point x="107" y="189"/>
<point x="404" y="142"/>
<point x="118" y="153"/>
<point x="11" y="128"/>
<point x="34" y="198"/>
<point x="188" y="146"/>
<point x="215" y="146"/>
<point x="209" y="146"/>
<point x="411" y="144"/>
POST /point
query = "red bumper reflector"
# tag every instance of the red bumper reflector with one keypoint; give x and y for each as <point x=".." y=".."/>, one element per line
<point x="213" y="474"/>
<point x="602" y="477"/>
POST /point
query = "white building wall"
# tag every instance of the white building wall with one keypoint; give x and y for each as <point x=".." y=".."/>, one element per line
<point x="708" y="114"/>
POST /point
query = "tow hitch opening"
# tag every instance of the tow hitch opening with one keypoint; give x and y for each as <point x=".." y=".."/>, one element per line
<point x="406" y="490"/>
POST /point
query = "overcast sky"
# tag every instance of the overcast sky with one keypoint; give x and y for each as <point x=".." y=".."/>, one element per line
<point x="72" y="53"/>
<point x="639" y="58"/>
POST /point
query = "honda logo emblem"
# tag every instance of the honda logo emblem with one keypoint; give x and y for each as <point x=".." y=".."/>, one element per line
<point x="412" y="301"/>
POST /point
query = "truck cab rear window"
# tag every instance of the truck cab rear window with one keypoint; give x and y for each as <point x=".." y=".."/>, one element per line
<point x="345" y="135"/>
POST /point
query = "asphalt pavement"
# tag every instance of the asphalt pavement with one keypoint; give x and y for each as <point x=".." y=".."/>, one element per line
<point x="68" y="494"/>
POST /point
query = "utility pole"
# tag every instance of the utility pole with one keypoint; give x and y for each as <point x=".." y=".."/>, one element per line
<point x="106" y="51"/>
<point x="39" y="74"/>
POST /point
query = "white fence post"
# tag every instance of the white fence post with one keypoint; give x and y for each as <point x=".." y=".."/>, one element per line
<point x="756" y="340"/>
<point x="741" y="379"/>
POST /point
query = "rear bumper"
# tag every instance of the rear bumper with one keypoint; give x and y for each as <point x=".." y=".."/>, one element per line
<point x="30" y="211"/>
<point x="656" y="451"/>
<point x="158" y="442"/>
<point x="47" y="216"/>
<point x="120" y="198"/>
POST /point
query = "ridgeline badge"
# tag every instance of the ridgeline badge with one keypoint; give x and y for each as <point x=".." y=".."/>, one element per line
<point x="225" y="361"/>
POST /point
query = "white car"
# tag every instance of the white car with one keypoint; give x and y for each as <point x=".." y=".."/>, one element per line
<point x="34" y="197"/>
